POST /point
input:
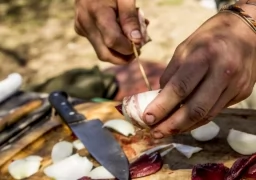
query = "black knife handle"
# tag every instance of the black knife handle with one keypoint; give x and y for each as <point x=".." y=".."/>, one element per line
<point x="59" y="101"/>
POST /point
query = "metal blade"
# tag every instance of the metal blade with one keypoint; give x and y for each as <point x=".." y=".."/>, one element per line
<point x="103" y="147"/>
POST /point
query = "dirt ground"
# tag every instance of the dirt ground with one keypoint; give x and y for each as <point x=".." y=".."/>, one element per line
<point x="38" y="38"/>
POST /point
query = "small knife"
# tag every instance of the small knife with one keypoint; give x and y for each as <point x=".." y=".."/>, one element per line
<point x="100" y="143"/>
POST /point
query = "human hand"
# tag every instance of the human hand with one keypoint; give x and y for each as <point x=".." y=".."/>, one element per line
<point x="212" y="69"/>
<point x="110" y="26"/>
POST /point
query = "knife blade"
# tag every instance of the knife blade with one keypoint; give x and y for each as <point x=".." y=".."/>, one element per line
<point x="100" y="143"/>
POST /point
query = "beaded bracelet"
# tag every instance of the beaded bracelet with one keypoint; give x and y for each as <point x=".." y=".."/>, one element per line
<point x="237" y="10"/>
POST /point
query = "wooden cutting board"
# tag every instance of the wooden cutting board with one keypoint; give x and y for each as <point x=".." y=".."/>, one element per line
<point x="40" y="141"/>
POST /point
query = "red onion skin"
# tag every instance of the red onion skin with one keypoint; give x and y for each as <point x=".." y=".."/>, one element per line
<point x="143" y="166"/>
<point x="251" y="173"/>
<point x="146" y="165"/>
<point x="119" y="108"/>
<point x="244" y="166"/>
<point x="209" y="171"/>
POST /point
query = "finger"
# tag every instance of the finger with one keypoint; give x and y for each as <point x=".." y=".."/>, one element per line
<point x="104" y="53"/>
<point x="129" y="19"/>
<point x="181" y="84"/>
<point x="169" y="71"/>
<point x="197" y="106"/>
<point x="201" y="123"/>
<point x="174" y="64"/>
<point x="224" y="100"/>
<point x="111" y="32"/>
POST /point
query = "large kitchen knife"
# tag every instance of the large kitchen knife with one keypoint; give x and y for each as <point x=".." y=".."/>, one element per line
<point x="100" y="143"/>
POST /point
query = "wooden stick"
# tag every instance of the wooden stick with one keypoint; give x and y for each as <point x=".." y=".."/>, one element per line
<point x="141" y="67"/>
<point x="18" y="113"/>
<point x="18" y="129"/>
<point x="28" y="139"/>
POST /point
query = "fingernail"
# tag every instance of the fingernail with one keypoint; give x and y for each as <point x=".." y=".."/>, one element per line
<point x="158" y="135"/>
<point x="150" y="119"/>
<point x="135" y="34"/>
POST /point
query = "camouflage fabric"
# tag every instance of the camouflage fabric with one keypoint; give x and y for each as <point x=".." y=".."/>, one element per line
<point x="81" y="83"/>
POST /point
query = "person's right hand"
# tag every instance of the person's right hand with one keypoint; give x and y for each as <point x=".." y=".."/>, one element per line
<point x="110" y="26"/>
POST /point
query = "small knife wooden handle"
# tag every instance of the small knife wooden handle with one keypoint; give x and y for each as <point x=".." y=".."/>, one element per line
<point x="59" y="101"/>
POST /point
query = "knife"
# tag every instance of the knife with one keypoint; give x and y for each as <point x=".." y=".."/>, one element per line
<point x="100" y="143"/>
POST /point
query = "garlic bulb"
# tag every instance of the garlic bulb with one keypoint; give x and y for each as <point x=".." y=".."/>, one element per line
<point x="143" y="27"/>
<point x="134" y="106"/>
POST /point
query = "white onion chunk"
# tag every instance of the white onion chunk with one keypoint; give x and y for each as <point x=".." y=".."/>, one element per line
<point x="122" y="126"/>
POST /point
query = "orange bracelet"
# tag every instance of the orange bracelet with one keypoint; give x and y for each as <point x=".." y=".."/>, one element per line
<point x="237" y="10"/>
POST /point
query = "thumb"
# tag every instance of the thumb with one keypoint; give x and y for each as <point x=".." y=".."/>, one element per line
<point x="129" y="20"/>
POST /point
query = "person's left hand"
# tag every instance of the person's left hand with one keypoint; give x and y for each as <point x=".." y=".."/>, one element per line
<point x="212" y="69"/>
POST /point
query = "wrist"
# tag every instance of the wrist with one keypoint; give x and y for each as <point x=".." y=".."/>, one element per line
<point x="249" y="6"/>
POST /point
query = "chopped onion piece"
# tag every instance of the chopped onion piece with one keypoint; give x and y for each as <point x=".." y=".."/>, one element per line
<point x="123" y="127"/>
<point x="100" y="173"/>
<point x="34" y="158"/>
<point x="73" y="167"/>
<point x="61" y="150"/>
<point x="24" y="168"/>
<point x="242" y="142"/>
<point x="78" y="144"/>
<point x="206" y="132"/>
<point x="186" y="150"/>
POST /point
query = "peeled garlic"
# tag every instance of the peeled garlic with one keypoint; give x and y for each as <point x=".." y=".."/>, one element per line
<point x="206" y="132"/>
<point x="143" y="27"/>
<point x="121" y="126"/>
<point x="61" y="150"/>
<point x="242" y="142"/>
<point x="73" y="167"/>
<point x="186" y="150"/>
<point x="100" y="173"/>
<point x="78" y="144"/>
<point x="24" y="168"/>
<point x="134" y="106"/>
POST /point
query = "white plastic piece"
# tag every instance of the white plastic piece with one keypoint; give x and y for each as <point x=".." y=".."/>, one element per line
<point x="10" y="85"/>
